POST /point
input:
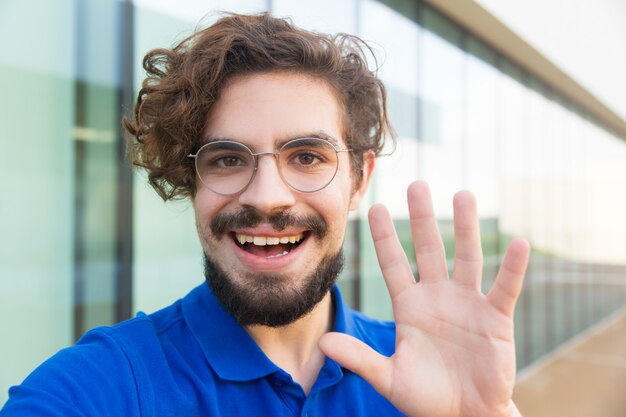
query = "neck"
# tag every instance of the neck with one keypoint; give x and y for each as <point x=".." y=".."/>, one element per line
<point x="294" y="347"/>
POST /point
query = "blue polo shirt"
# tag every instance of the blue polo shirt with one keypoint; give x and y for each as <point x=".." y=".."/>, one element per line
<point x="193" y="359"/>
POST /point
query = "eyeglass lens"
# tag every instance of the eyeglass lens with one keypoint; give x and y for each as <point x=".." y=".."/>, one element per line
<point x="306" y="165"/>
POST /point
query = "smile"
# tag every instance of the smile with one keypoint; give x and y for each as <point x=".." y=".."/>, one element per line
<point x="269" y="246"/>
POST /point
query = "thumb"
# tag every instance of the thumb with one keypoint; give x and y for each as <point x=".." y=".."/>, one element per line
<point x="361" y="359"/>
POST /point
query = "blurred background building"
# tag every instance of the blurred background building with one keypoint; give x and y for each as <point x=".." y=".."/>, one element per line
<point x="521" y="102"/>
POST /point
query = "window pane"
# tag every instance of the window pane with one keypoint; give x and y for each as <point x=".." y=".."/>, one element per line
<point x="36" y="165"/>
<point x="328" y="16"/>
<point x="384" y="26"/>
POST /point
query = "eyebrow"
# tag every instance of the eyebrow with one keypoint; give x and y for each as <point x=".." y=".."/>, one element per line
<point x="319" y="134"/>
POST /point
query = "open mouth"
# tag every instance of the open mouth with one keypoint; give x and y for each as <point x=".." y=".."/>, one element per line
<point x="269" y="246"/>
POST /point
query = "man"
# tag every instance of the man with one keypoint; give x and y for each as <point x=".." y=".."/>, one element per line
<point x="272" y="133"/>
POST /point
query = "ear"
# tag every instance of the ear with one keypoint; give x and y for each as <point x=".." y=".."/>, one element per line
<point x="369" y="161"/>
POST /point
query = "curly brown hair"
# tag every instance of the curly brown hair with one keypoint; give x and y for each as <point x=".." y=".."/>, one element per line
<point x="183" y="84"/>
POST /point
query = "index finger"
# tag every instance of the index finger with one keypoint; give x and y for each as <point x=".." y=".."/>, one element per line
<point x="391" y="257"/>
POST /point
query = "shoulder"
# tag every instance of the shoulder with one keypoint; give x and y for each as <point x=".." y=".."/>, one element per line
<point x="107" y="372"/>
<point x="89" y="376"/>
<point x="143" y="328"/>
<point x="143" y="333"/>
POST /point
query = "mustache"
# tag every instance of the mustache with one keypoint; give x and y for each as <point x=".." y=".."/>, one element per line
<point x="249" y="217"/>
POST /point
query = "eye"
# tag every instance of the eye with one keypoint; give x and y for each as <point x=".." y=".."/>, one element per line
<point x="306" y="159"/>
<point x="228" y="161"/>
<point x="308" y="155"/>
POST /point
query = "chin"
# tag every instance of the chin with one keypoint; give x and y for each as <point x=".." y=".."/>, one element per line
<point x="271" y="298"/>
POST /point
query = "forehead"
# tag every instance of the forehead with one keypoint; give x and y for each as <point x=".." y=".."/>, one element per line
<point x="265" y="110"/>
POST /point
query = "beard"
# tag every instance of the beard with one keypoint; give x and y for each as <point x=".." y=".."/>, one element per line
<point x="271" y="299"/>
<point x="267" y="299"/>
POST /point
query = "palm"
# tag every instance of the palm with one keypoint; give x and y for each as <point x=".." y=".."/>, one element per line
<point x="442" y="354"/>
<point x="454" y="346"/>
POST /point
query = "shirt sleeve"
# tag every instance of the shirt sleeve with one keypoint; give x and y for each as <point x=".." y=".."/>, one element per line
<point x="92" y="378"/>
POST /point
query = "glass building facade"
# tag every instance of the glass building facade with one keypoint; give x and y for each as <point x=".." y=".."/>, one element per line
<point x="85" y="242"/>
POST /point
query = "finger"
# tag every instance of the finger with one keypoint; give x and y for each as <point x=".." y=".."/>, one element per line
<point x="506" y="289"/>
<point x="429" y="251"/>
<point x="468" y="255"/>
<point x="391" y="257"/>
<point x="361" y="359"/>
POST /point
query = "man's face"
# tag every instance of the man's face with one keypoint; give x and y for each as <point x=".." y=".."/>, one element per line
<point x="261" y="282"/>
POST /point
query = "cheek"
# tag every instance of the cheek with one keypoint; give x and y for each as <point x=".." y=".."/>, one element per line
<point x="205" y="208"/>
<point x="333" y="206"/>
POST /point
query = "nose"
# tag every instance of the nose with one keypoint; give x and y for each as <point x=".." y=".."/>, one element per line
<point x="268" y="191"/>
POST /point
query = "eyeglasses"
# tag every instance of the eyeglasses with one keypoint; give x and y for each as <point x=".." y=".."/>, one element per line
<point x="305" y="164"/>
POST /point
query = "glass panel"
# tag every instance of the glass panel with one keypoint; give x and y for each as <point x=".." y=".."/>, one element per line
<point x="442" y="160"/>
<point x="327" y="16"/>
<point x="96" y="143"/>
<point x="570" y="180"/>
<point x="195" y="11"/>
<point x="540" y="127"/>
<point x="584" y="203"/>
<point x="482" y="144"/>
<point x="384" y="26"/>
<point x="37" y="169"/>
<point x="554" y="208"/>
<point x="607" y="228"/>
<point x="442" y="136"/>
<point x="514" y="201"/>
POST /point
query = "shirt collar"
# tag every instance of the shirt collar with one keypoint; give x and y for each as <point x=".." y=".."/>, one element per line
<point x="228" y="348"/>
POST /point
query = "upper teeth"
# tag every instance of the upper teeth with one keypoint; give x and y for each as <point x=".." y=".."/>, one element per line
<point x="268" y="240"/>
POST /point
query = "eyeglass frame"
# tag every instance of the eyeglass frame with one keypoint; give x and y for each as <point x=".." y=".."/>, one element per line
<point x="256" y="155"/>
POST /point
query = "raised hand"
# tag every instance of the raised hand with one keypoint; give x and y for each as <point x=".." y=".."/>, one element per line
<point x="455" y="354"/>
